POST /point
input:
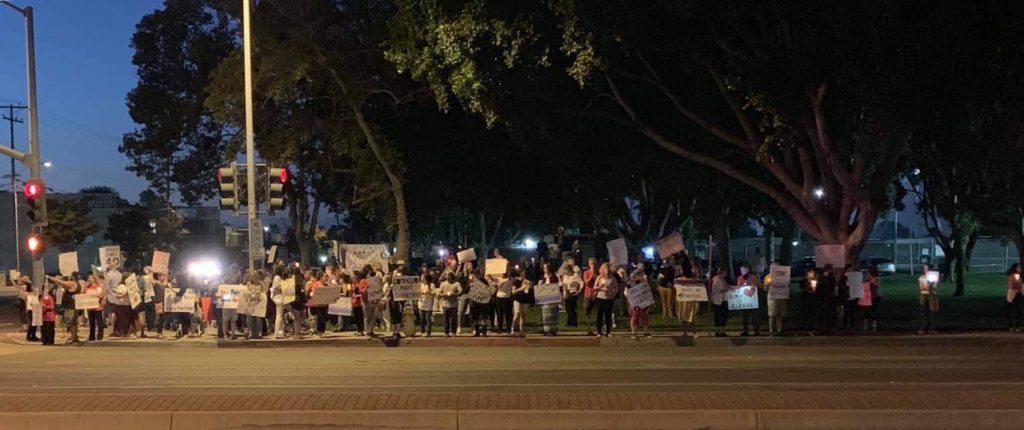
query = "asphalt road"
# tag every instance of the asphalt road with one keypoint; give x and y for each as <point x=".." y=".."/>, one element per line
<point x="41" y="370"/>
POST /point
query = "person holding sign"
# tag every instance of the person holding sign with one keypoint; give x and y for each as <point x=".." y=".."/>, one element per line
<point x="503" y="303"/>
<point x="719" y="306"/>
<point x="869" y="302"/>
<point x="255" y="295"/>
<point x="69" y="315"/>
<point x="638" y="315"/>
<point x="449" y="295"/>
<point x="928" y="300"/>
<point x="549" y="311"/>
<point x="825" y="293"/>
<point x="49" y="318"/>
<point x="522" y="294"/>
<point x="666" y="290"/>
<point x="569" y="277"/>
<point x="751" y="317"/>
<point x="95" y="315"/>
<point x="480" y="297"/>
<point x="426" y="303"/>
<point x="605" y="290"/>
<point x="316" y="282"/>
<point x="808" y="302"/>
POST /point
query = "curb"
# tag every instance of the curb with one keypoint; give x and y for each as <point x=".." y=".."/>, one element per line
<point x="516" y="420"/>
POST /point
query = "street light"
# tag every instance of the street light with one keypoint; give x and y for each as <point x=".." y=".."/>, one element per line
<point x="819" y="193"/>
<point x="47" y="164"/>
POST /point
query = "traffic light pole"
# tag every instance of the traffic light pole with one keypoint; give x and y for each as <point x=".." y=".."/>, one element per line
<point x="250" y="156"/>
<point x="31" y="159"/>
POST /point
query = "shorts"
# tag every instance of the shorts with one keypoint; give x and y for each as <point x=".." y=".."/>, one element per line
<point x="639" y="316"/>
<point x="520" y="307"/>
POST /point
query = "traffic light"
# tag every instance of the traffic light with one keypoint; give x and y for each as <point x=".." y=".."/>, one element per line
<point x="277" y="177"/>
<point x="228" y="180"/>
<point x="35" y="197"/>
<point x="35" y="245"/>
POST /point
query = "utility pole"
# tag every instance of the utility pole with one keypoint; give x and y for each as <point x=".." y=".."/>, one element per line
<point x="31" y="159"/>
<point x="250" y="156"/>
<point x="11" y="119"/>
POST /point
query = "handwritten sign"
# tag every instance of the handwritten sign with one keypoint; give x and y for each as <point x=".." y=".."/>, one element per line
<point x="404" y="288"/>
<point x="161" y="261"/>
<point x="185" y="304"/>
<point x="374" y="289"/>
<point x="670" y="245"/>
<point x="324" y="296"/>
<point x="855" y="280"/>
<point x="546" y="294"/>
<point x="131" y="284"/>
<point x="742" y="297"/>
<point x="830" y="254"/>
<point x="342" y="306"/>
<point x="779" y="288"/>
<point x="496" y="266"/>
<point x="68" y="263"/>
<point x="480" y="293"/>
<point x="110" y="256"/>
<point x="259" y="306"/>
<point x="617" y="253"/>
<point x="466" y="255"/>
<point x="288" y="290"/>
<point x="358" y="256"/>
<point x="87" y="302"/>
<point x="272" y="254"/>
<point x="691" y="293"/>
<point x="229" y="295"/>
<point x="639" y="295"/>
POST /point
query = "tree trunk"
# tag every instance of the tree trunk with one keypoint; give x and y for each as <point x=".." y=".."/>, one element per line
<point x="724" y="257"/>
<point x="961" y="267"/>
<point x="769" y="246"/>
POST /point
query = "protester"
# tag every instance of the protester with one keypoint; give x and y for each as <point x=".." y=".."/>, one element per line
<point x="449" y="295"/>
<point x="503" y="304"/>
<point x="808" y="302"/>
<point x="425" y="303"/>
<point x="49" y="318"/>
<point x="825" y="295"/>
<point x="256" y="292"/>
<point x="871" y="299"/>
<point x="549" y="312"/>
<point x="69" y="315"/>
<point x="394" y="309"/>
<point x="638" y="316"/>
<point x="589" y="301"/>
<point x="720" y="307"/>
<point x="605" y="290"/>
<point x="928" y="302"/>
<point x="776" y="310"/>
<point x="666" y="290"/>
<point x="480" y="307"/>
<point x="522" y="294"/>
<point x="463" y="275"/>
<point x="751" y="317"/>
<point x="688" y="273"/>
<point x="95" y="315"/>
<point x="315" y="283"/>
<point x="354" y="291"/>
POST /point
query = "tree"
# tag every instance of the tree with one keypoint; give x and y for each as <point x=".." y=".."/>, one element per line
<point x="796" y="96"/>
<point x="69" y="223"/>
<point x="176" y="49"/>
<point x="130" y="230"/>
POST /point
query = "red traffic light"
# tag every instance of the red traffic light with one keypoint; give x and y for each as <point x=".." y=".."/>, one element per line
<point x="284" y="175"/>
<point x="33" y="188"/>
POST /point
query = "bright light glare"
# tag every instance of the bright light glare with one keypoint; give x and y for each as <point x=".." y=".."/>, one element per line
<point x="529" y="243"/>
<point x="819" y="192"/>
<point x="323" y="258"/>
<point x="266" y="228"/>
<point x="795" y="243"/>
<point x="649" y="252"/>
<point x="47" y="164"/>
<point x="442" y="252"/>
<point x="204" y="268"/>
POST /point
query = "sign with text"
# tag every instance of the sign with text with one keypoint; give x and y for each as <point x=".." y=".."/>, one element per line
<point x="466" y="255"/>
<point x="288" y="290"/>
<point x="229" y="295"/>
<point x="830" y="254"/>
<point x="546" y="294"/>
<point x="480" y="293"/>
<point x="131" y="284"/>
<point x="670" y="245"/>
<point x="374" y="289"/>
<point x="639" y="295"/>
<point x="161" y="261"/>
<point x="87" y="302"/>
<point x="342" y="306"/>
<point x="742" y="297"/>
<point x="324" y="296"/>
<point x="110" y="256"/>
<point x="68" y="263"/>
<point x="184" y="304"/>
<point x="856" y="282"/>
<point x="258" y="307"/>
<point x="405" y="288"/>
<point x="779" y="289"/>
<point x="272" y="254"/>
<point x="691" y="292"/>
<point x="496" y="266"/>
<point x="358" y="256"/>
<point x="618" y="255"/>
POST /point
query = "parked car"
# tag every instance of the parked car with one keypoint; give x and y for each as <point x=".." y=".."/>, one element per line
<point x="885" y="265"/>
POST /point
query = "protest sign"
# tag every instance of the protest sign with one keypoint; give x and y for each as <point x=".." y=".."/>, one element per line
<point x="639" y="295"/>
<point x="695" y="292"/>
<point x="13" y="275"/>
<point x="288" y="290"/>
<point x="617" y="253"/>
<point x="480" y="293"/>
<point x="272" y="254"/>
<point x="229" y="295"/>
<point x="932" y="277"/>
<point x="110" y="256"/>
<point x="67" y="262"/>
<point x="573" y="283"/>
<point x="670" y="245"/>
<point x="259" y="307"/>
<point x="856" y="282"/>
<point x="830" y="254"/>
<point x="405" y="288"/>
<point x="374" y="289"/>
<point x="342" y="306"/>
<point x="161" y="261"/>
<point x="546" y="294"/>
<point x="742" y="297"/>
<point x="32" y="301"/>
<point x="86" y="302"/>
<point x="358" y="256"/>
<point x="131" y="284"/>
<point x="185" y="304"/>
<point x="779" y="288"/>
<point x="324" y="296"/>
<point x="466" y="255"/>
<point x="496" y="266"/>
<point x="3" y="279"/>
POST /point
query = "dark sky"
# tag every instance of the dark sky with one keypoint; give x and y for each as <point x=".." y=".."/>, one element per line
<point x="84" y="69"/>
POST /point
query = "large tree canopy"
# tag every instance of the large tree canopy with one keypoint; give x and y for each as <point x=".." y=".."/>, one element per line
<point x="795" y="97"/>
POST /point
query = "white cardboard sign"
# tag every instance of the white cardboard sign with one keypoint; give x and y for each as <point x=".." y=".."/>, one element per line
<point x="618" y="255"/>
<point x="405" y="288"/>
<point x="161" y="261"/>
<point x="466" y="255"/>
<point x="68" y="263"/>
<point x="639" y="295"/>
<point x="496" y="266"/>
<point x="546" y="294"/>
<point x="110" y="256"/>
<point x="691" y="293"/>
<point x="856" y="282"/>
<point x="742" y="297"/>
<point x="670" y="245"/>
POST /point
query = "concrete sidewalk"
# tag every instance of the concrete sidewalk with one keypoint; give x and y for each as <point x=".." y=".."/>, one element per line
<point x="975" y="409"/>
<point x="349" y="340"/>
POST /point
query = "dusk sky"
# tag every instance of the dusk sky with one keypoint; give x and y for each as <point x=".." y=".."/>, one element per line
<point x="84" y="69"/>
